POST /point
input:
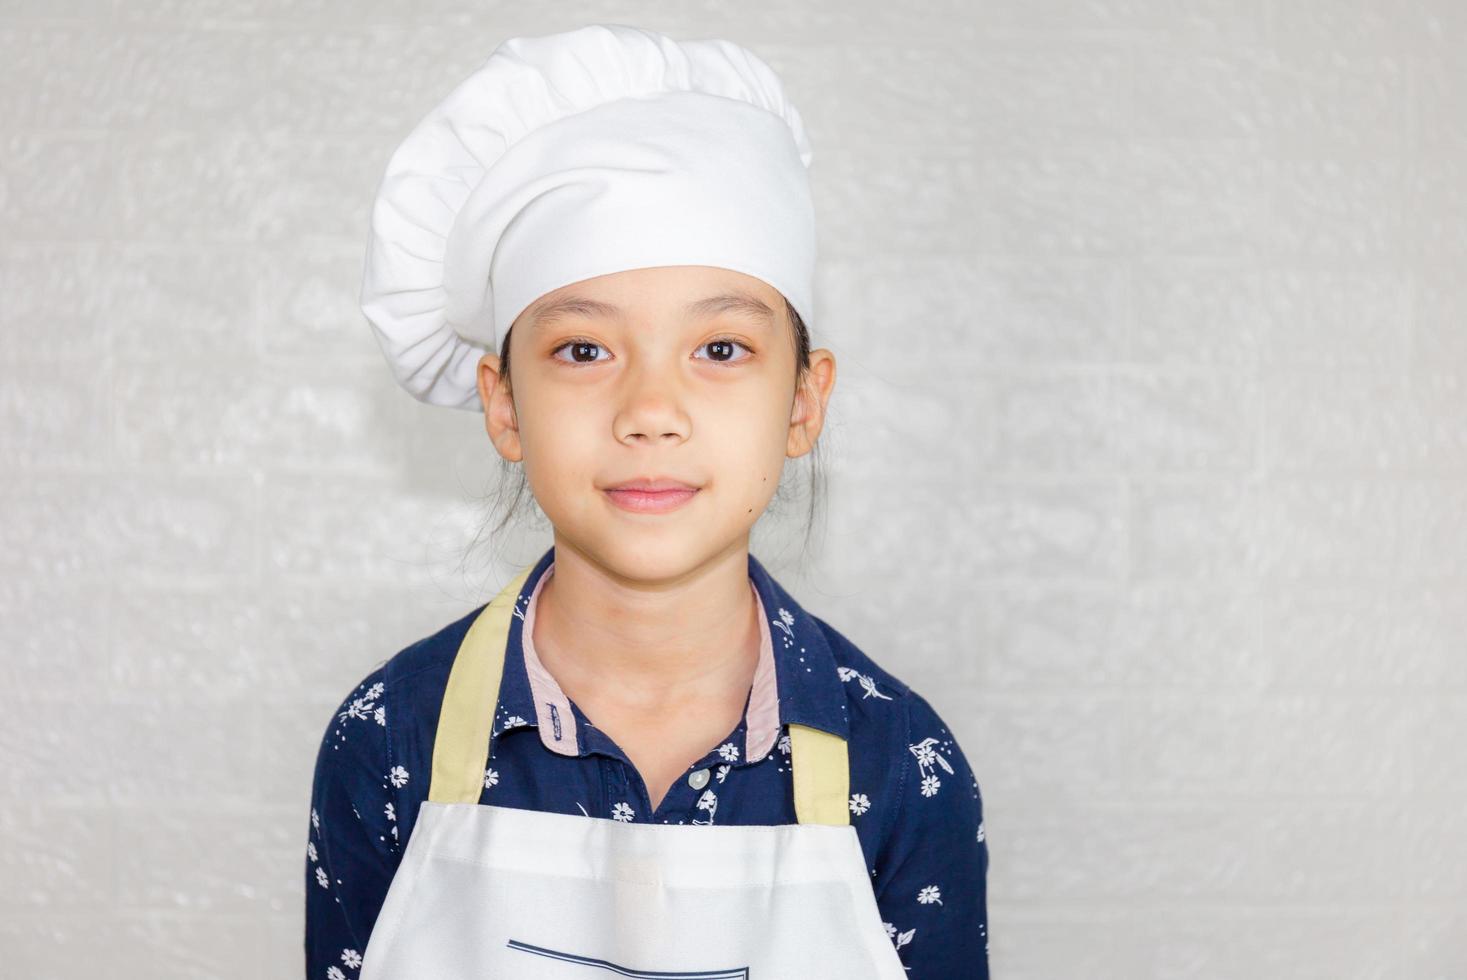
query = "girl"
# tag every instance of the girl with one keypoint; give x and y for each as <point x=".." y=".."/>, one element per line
<point x="643" y="757"/>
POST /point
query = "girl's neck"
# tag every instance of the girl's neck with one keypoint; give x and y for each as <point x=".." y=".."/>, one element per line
<point x="648" y="644"/>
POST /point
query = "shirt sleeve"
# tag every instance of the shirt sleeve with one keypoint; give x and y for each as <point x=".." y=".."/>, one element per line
<point x="932" y="889"/>
<point x="352" y="850"/>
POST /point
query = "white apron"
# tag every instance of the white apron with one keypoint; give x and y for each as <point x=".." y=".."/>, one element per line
<point x="501" y="893"/>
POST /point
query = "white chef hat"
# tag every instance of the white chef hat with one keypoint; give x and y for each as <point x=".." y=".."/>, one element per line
<point x="573" y="155"/>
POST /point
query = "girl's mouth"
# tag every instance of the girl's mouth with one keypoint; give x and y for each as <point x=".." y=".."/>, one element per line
<point x="650" y="501"/>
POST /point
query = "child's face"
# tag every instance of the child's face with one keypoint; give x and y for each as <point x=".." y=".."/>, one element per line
<point x="601" y="397"/>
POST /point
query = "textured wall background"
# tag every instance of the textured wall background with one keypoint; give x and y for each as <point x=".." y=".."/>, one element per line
<point x="1149" y="455"/>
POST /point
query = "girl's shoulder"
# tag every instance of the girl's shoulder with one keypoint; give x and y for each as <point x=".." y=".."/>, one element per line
<point x="432" y="655"/>
<point x="910" y="776"/>
<point x="886" y="714"/>
<point x="854" y="666"/>
<point x="412" y="680"/>
<point x="402" y="694"/>
<point x="379" y="740"/>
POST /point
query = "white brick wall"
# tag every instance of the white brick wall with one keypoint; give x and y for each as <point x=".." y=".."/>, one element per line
<point x="1151" y="424"/>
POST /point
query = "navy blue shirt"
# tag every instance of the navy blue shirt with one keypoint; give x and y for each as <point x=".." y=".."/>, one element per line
<point x="914" y="800"/>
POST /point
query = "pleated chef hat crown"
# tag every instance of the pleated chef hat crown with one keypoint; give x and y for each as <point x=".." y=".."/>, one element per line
<point x="573" y="155"/>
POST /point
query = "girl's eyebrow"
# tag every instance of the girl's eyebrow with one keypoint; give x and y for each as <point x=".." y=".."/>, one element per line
<point x="741" y="303"/>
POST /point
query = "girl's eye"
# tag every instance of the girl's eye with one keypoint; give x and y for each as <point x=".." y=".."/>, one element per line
<point x="725" y="345"/>
<point x="724" y="348"/>
<point x="585" y="351"/>
<point x="582" y="351"/>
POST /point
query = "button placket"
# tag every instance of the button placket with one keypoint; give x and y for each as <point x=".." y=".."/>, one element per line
<point x="613" y="784"/>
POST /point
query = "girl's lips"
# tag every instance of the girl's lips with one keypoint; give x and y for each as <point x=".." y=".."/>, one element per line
<point x="650" y="501"/>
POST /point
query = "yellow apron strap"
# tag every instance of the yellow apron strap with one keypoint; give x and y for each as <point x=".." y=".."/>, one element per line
<point x="466" y="717"/>
<point x="466" y="721"/>
<point x="822" y="775"/>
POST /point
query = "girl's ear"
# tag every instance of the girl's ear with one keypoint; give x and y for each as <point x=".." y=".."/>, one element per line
<point x="499" y="415"/>
<point x="807" y="417"/>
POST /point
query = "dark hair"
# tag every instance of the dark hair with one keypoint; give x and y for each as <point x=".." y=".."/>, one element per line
<point x="508" y="493"/>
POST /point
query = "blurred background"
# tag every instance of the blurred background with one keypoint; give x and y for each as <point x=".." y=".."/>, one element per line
<point x="1147" y="460"/>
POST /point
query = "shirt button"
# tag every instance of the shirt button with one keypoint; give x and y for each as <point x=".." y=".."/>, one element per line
<point x="698" y="779"/>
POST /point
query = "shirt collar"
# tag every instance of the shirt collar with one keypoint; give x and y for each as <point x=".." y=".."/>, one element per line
<point x="795" y="680"/>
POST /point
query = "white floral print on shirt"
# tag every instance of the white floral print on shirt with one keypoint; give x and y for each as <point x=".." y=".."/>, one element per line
<point x="366" y="706"/>
<point x="708" y="801"/>
<point x="784" y="624"/>
<point x="513" y="721"/>
<point x="868" y="684"/>
<point x="926" y="757"/>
